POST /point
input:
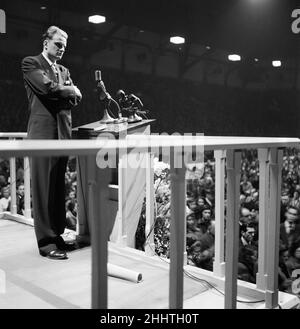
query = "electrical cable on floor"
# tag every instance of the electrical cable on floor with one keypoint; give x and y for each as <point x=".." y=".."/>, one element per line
<point x="203" y="281"/>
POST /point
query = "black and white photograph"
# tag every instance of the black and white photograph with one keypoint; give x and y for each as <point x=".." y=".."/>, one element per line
<point x="149" y="158"/>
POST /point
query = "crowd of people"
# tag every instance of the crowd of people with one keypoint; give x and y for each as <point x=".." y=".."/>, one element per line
<point x="5" y="197"/>
<point x="200" y="218"/>
<point x="5" y="190"/>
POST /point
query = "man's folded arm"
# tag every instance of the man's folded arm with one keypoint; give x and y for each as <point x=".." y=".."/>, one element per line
<point x="41" y="84"/>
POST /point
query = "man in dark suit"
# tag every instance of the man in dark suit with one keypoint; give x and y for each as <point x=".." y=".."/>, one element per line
<point x="51" y="95"/>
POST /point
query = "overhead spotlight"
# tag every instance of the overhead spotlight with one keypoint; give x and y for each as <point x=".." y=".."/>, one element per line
<point x="207" y="47"/>
<point x="256" y="60"/>
<point x="177" y="40"/>
<point x="234" y="57"/>
<point x="43" y="7"/>
<point x="276" y="63"/>
<point x="97" y="19"/>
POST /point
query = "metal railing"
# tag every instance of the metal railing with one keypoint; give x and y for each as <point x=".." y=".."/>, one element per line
<point x="26" y="218"/>
<point x="227" y="152"/>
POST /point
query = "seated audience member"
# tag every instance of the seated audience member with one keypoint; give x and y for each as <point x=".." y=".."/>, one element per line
<point x="20" y="175"/>
<point x="5" y="200"/>
<point x="71" y="215"/>
<point x="192" y="205"/>
<point x="295" y="201"/>
<point x="248" y="234"/>
<point x="284" y="203"/>
<point x="284" y="278"/>
<point x="289" y="229"/>
<point x="20" y="199"/>
<point x="3" y="181"/>
<point x="246" y="216"/>
<point x="192" y="231"/>
<point x="245" y="186"/>
<point x="248" y="250"/>
<point x="203" y="250"/>
<point x="251" y="200"/>
<point x="205" y="219"/>
<point x="201" y="203"/>
<point x="293" y="262"/>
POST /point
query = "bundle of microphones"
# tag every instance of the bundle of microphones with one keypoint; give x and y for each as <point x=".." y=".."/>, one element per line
<point x="129" y="103"/>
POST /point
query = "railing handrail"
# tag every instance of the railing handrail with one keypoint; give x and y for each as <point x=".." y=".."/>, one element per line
<point x="13" y="135"/>
<point x="137" y="143"/>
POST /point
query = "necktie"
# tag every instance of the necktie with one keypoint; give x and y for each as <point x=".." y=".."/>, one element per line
<point x="55" y="70"/>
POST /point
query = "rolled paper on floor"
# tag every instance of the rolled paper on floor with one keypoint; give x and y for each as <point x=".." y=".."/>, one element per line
<point x="123" y="273"/>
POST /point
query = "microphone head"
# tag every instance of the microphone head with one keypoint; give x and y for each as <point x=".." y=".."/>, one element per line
<point x="121" y="94"/>
<point x="98" y="75"/>
<point x="136" y="100"/>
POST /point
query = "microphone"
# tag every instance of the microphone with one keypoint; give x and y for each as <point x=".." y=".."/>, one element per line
<point x="121" y="97"/>
<point x="98" y="75"/>
<point x="128" y="100"/>
<point x="100" y="85"/>
<point x="135" y="100"/>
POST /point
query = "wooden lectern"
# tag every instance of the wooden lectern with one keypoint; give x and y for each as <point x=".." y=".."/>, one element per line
<point x="126" y="189"/>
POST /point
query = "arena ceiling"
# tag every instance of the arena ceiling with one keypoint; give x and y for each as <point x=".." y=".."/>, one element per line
<point x="257" y="28"/>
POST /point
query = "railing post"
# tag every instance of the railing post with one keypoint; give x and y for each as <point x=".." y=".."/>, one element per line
<point x="150" y="245"/>
<point x="13" y="190"/>
<point x="82" y="227"/>
<point x="27" y="190"/>
<point x="273" y="228"/>
<point x="99" y="209"/>
<point x="264" y="174"/>
<point x="219" y="262"/>
<point x="122" y="193"/>
<point x="178" y="221"/>
<point x="232" y="227"/>
<point x="122" y="205"/>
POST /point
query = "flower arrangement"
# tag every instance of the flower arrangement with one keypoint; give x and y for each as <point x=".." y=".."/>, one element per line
<point x="162" y="213"/>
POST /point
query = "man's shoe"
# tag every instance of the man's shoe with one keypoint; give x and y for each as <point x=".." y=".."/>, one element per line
<point x="70" y="246"/>
<point x="65" y="245"/>
<point x="55" y="254"/>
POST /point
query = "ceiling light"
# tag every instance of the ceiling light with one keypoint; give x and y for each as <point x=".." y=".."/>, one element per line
<point x="97" y="19"/>
<point x="276" y="63"/>
<point x="234" y="57"/>
<point x="43" y="7"/>
<point x="177" y="40"/>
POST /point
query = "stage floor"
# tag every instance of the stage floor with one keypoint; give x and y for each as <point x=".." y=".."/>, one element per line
<point x="34" y="282"/>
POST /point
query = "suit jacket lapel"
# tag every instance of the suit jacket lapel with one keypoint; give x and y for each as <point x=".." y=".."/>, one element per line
<point x="47" y="68"/>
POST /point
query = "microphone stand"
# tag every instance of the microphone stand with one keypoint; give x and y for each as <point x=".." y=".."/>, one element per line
<point x="106" y="117"/>
<point x="133" y="117"/>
